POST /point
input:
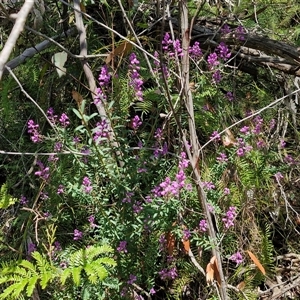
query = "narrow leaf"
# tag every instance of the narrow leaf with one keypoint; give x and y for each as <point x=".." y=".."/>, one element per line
<point x="256" y="262"/>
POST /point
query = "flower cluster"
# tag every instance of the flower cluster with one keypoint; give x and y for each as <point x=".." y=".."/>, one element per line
<point x="51" y="116"/>
<point x="195" y="50"/>
<point x="33" y="129"/>
<point x="122" y="247"/>
<point x="173" y="187"/>
<point x="77" y="235"/>
<point x="136" y="122"/>
<point x="104" y="80"/>
<point x="167" y="42"/>
<point x="230" y="216"/>
<point x="64" y="120"/>
<point x="240" y="32"/>
<point x="237" y="258"/>
<point x="87" y="185"/>
<point x="203" y="226"/>
<point x="167" y="274"/>
<point x="43" y="171"/>
<point x="136" y="81"/>
<point x="101" y="131"/>
<point x="91" y="220"/>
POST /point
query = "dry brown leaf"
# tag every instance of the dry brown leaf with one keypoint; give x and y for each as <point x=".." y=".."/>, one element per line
<point x="256" y="262"/>
<point x="209" y="274"/>
<point x="170" y="243"/>
<point x="78" y="98"/>
<point x="241" y="285"/>
<point x="228" y="139"/>
<point x="212" y="271"/>
<point x="186" y="245"/>
<point x="123" y="49"/>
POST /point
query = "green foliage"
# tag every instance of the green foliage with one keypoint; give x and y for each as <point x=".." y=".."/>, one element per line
<point x="6" y="200"/>
<point x="26" y="275"/>
<point x="88" y="260"/>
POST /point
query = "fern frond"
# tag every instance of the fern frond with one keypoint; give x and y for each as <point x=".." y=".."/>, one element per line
<point x="6" y="200"/>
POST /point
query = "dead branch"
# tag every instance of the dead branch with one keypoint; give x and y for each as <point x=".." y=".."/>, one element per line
<point x="16" y="31"/>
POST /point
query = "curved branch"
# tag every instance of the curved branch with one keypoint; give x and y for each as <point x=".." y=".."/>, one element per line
<point x="13" y="37"/>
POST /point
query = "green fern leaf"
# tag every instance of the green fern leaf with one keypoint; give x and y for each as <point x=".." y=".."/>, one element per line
<point x="6" y="200"/>
<point x="65" y="274"/>
<point x="31" y="285"/>
<point x="14" y="290"/>
<point x="76" y="275"/>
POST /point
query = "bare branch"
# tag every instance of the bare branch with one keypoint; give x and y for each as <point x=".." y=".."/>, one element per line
<point x="16" y="31"/>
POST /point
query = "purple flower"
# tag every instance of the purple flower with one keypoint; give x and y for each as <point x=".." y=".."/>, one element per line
<point x="101" y="131"/>
<point x="226" y="191"/>
<point x="208" y="185"/>
<point x="217" y="77"/>
<point x="43" y="171"/>
<point x="137" y="207"/>
<point x="57" y="246"/>
<point x="33" y="129"/>
<point x="167" y="274"/>
<point x="44" y="196"/>
<point x="222" y="158"/>
<point x="225" y="29"/>
<point x="132" y="279"/>
<point x="223" y="51"/>
<point x="237" y="258"/>
<point x="289" y="159"/>
<point x="282" y="143"/>
<point x="77" y="235"/>
<point x="260" y="144"/>
<point x="272" y="124"/>
<point x="91" y="219"/>
<point x="99" y="97"/>
<point x="212" y="60"/>
<point x="152" y="291"/>
<point x="245" y="130"/>
<point x="127" y="198"/>
<point x="136" y="81"/>
<point x="229" y="96"/>
<point x="195" y="50"/>
<point x="215" y="136"/>
<point x="31" y="248"/>
<point x="240" y="152"/>
<point x="278" y="176"/>
<point x="122" y="247"/>
<point x="104" y="77"/>
<point x="230" y="216"/>
<point x="183" y="163"/>
<point x="58" y="147"/>
<point x="64" y="120"/>
<point x="166" y="42"/>
<point x="177" y="48"/>
<point x="51" y="116"/>
<point x="60" y="189"/>
<point x="87" y="185"/>
<point x="240" y="32"/>
<point x="23" y="200"/>
<point x="136" y="122"/>
<point x="186" y="234"/>
<point x="203" y="226"/>
<point x="158" y="134"/>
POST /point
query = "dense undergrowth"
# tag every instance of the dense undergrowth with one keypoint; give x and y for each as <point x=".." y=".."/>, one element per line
<point x="107" y="206"/>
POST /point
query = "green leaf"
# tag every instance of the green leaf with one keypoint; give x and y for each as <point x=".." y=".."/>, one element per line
<point x="76" y="275"/>
<point x="77" y="113"/>
<point x="31" y="285"/>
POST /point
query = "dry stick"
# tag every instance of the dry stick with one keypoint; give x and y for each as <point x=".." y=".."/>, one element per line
<point x="185" y="32"/>
<point x="90" y="77"/>
<point x="16" y="31"/>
